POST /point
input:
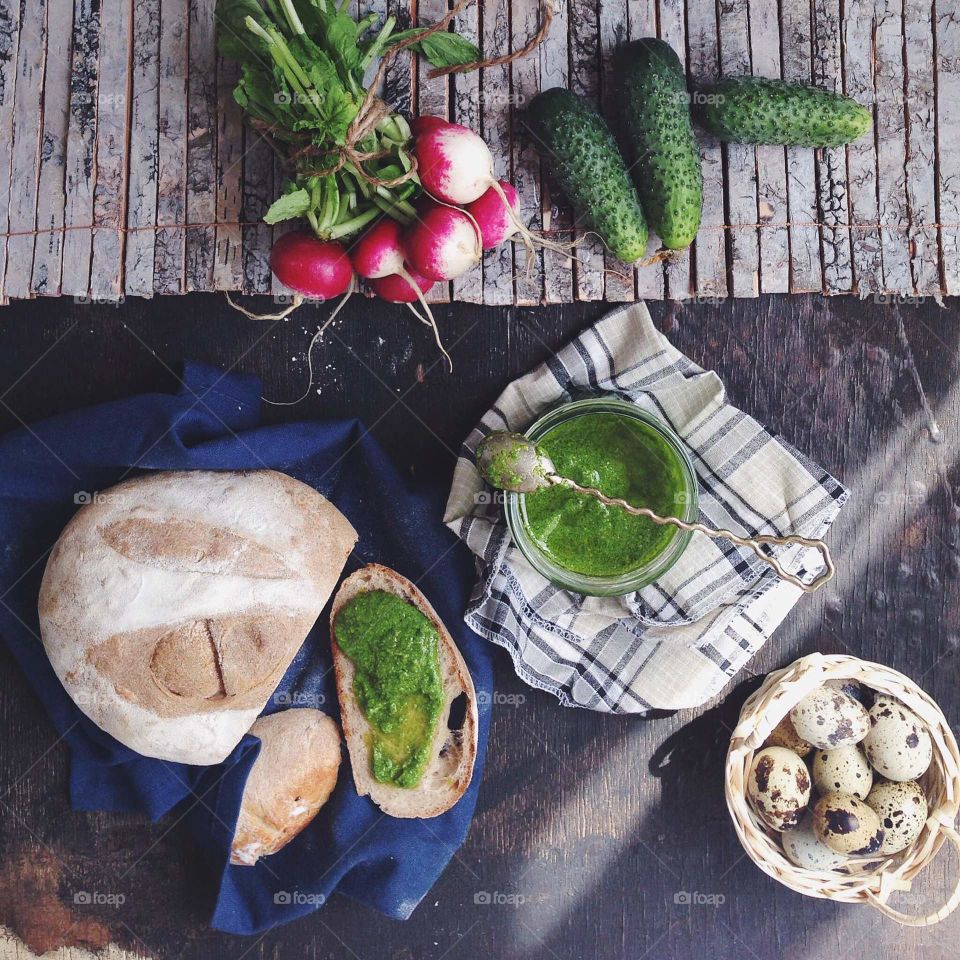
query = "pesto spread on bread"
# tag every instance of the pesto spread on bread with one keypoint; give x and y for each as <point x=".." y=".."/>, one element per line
<point x="397" y="682"/>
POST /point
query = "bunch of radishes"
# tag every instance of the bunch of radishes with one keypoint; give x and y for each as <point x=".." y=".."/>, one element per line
<point x="464" y="211"/>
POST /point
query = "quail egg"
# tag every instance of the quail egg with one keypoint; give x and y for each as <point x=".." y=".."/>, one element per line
<point x="898" y="744"/>
<point x="804" y="849"/>
<point x="843" y="770"/>
<point x="829" y="718"/>
<point x="902" y="809"/>
<point x="779" y="787"/>
<point x="853" y="688"/>
<point x="847" y="825"/>
<point x="784" y="735"/>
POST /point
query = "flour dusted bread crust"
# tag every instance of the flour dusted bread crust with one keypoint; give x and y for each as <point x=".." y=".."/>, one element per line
<point x="448" y="773"/>
<point x="291" y="779"/>
<point x="172" y="605"/>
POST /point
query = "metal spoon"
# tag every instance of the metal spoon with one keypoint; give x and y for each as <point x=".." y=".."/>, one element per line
<point x="509" y="461"/>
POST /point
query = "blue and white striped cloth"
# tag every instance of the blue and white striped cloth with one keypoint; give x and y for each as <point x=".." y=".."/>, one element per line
<point x="678" y="641"/>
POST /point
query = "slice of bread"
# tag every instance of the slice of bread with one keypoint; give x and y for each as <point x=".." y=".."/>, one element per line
<point x="448" y="773"/>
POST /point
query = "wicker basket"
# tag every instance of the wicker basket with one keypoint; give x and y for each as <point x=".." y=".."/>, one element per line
<point x="867" y="881"/>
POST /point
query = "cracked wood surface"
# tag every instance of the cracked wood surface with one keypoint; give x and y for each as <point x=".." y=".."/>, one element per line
<point x="126" y="170"/>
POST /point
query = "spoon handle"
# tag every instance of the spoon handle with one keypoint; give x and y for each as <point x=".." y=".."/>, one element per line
<point x="754" y="543"/>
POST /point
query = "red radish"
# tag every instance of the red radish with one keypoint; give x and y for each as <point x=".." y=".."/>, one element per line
<point x="442" y="243"/>
<point x="453" y="163"/>
<point x="420" y="125"/>
<point x="492" y="216"/>
<point x="378" y="253"/>
<point x="397" y="288"/>
<point x="455" y="166"/>
<point x="319" y="269"/>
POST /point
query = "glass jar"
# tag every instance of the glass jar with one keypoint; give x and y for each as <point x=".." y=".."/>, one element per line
<point x="686" y="505"/>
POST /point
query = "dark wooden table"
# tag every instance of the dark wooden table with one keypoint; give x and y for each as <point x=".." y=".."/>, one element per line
<point x="588" y="827"/>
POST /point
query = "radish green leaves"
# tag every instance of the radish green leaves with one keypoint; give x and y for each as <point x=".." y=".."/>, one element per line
<point x="302" y="70"/>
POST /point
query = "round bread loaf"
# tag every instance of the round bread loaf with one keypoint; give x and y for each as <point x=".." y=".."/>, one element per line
<point x="292" y="778"/>
<point x="172" y="605"/>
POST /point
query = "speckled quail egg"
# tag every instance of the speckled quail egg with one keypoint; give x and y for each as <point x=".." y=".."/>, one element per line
<point x="843" y="770"/>
<point x="902" y="809"/>
<point x="853" y="688"/>
<point x="847" y="825"/>
<point x="779" y="787"/>
<point x="785" y="735"/>
<point x="829" y="718"/>
<point x="803" y="848"/>
<point x="898" y="744"/>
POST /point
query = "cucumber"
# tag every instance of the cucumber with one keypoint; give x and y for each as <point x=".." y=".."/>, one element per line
<point x="659" y="136"/>
<point x="581" y="154"/>
<point x="754" y="110"/>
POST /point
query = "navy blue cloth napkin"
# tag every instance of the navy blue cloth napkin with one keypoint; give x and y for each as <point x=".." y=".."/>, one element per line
<point x="213" y="423"/>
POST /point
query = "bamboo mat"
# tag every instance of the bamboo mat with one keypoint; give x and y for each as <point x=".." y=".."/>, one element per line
<point x="130" y="173"/>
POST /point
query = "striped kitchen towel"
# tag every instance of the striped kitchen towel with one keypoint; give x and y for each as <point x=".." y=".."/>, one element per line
<point x="678" y="641"/>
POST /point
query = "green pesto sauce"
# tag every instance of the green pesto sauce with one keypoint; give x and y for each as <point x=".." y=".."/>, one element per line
<point x="397" y="683"/>
<point x="623" y="458"/>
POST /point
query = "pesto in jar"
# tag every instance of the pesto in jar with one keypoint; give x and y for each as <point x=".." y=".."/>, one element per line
<point x="395" y="653"/>
<point x="624" y="458"/>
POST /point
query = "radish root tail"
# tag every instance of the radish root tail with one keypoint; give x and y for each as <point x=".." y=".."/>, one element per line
<point x="250" y="315"/>
<point x="316" y="337"/>
<point x="417" y="314"/>
<point x="426" y="306"/>
<point x="530" y="239"/>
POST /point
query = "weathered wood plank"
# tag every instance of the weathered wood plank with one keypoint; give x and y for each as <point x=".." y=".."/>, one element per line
<point x="891" y="147"/>
<point x="921" y="168"/>
<point x="806" y="272"/>
<point x="31" y="62"/>
<point x="618" y="281"/>
<point x="228" y="255"/>
<point x="642" y="22"/>
<point x="201" y="145"/>
<point x="553" y="64"/>
<point x="48" y="248"/>
<point x="399" y="81"/>
<point x="585" y="81"/>
<point x="432" y="99"/>
<point x="772" y="209"/>
<point x="144" y="150"/>
<point x="257" y="196"/>
<point x="858" y="67"/>
<point x="81" y="141"/>
<point x="710" y="247"/>
<point x="741" y="161"/>
<point x="524" y="78"/>
<point x="835" y="253"/>
<point x="497" y="263"/>
<point x="947" y="33"/>
<point x="465" y="110"/>
<point x="170" y="248"/>
<point x="110" y="191"/>
<point x="282" y="294"/>
<point x="9" y="46"/>
<point x="673" y="30"/>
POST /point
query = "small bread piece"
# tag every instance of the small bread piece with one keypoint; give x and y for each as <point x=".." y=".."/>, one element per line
<point x="292" y="778"/>
<point x="448" y="773"/>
